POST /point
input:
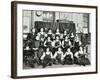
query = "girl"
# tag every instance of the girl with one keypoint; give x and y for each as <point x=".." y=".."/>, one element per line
<point x="77" y="44"/>
<point x="42" y="36"/>
<point x="58" y="57"/>
<point x="72" y="38"/>
<point x="66" y="44"/>
<point x="83" y="60"/>
<point x="65" y="34"/>
<point x="50" y="34"/>
<point x="57" y="33"/>
<point x="68" y="57"/>
<point x="57" y="43"/>
<point x="46" y="58"/>
<point x="81" y="57"/>
<point x="48" y="43"/>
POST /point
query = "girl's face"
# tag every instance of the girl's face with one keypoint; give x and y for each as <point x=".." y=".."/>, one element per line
<point x="57" y="30"/>
<point x="33" y="30"/>
<point x="47" y="49"/>
<point x="59" y="49"/>
<point x="37" y="37"/>
<point x="48" y="38"/>
<point x="50" y="31"/>
<point x="68" y="49"/>
<point x="41" y="29"/>
<point x="81" y="49"/>
<point x="66" y="38"/>
<point x="57" y="38"/>
<point x="65" y="32"/>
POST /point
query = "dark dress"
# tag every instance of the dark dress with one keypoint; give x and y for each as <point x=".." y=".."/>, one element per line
<point x="51" y="36"/>
<point x="76" y="46"/>
<point x="66" y="45"/>
<point x="83" y="60"/>
<point x="58" y="59"/>
<point x="68" y="60"/>
<point x="49" y="45"/>
<point x="47" y="60"/>
<point x="72" y="40"/>
<point x="76" y="60"/>
<point x="57" y="45"/>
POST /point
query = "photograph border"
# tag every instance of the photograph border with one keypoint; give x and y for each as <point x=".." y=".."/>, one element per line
<point x="14" y="37"/>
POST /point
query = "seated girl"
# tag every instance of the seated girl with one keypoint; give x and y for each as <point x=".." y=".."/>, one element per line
<point x="82" y="57"/>
<point x="47" y="58"/>
<point x="58" y="57"/>
<point x="77" y="54"/>
<point x="68" y="57"/>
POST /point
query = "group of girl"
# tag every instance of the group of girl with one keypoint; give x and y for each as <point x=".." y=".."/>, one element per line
<point x="48" y="48"/>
